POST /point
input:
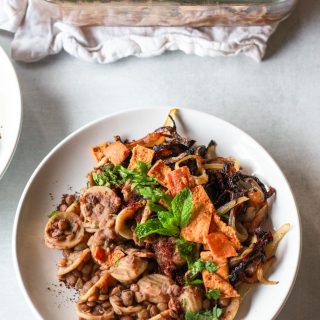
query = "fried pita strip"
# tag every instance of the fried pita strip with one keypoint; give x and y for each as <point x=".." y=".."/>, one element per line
<point x="117" y="152"/>
<point x="212" y="280"/>
<point x="179" y="179"/>
<point x="140" y="153"/>
<point x="202" y="210"/>
<point x="220" y="246"/>
<point x="98" y="151"/>
<point x="218" y="225"/>
<point x="223" y="265"/>
<point x="160" y="172"/>
<point x="150" y="140"/>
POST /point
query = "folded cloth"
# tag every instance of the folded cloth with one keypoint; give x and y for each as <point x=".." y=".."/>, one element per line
<point x="39" y="33"/>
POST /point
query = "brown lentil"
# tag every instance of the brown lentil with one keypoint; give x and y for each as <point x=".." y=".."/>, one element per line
<point x="106" y="304"/>
<point x="139" y="296"/>
<point x="62" y="262"/>
<point x="127" y="297"/>
<point x="103" y="297"/>
<point x="91" y="303"/>
<point x="63" y="207"/>
<point x="153" y="310"/>
<point x="84" y="307"/>
<point x="99" y="309"/>
<point x="79" y="284"/>
<point x="85" y="277"/>
<point x="69" y="199"/>
<point x="71" y="279"/>
<point x="134" y="287"/>
<point x="86" y="269"/>
<point x="143" y="314"/>
<point x="93" y="298"/>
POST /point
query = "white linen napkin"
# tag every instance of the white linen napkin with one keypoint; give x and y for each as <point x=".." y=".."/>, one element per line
<point x="39" y="34"/>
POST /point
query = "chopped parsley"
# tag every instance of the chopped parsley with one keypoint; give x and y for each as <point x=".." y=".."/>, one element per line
<point x="187" y="250"/>
<point x="213" y="314"/>
<point x="117" y="175"/>
<point x="197" y="267"/>
<point x="213" y="294"/>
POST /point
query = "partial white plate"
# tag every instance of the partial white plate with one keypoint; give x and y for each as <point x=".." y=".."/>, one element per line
<point x="67" y="164"/>
<point x="10" y="112"/>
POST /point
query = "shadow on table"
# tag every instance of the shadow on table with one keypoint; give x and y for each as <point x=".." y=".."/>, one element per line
<point x="301" y="17"/>
<point x="303" y="302"/>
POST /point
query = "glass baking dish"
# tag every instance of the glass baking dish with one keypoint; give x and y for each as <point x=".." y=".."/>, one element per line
<point x="196" y="13"/>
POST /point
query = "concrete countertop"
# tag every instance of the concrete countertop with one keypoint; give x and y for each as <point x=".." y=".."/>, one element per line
<point x="277" y="102"/>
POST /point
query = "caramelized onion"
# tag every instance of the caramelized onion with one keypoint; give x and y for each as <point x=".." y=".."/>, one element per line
<point x="263" y="268"/>
<point x="231" y="204"/>
<point x="203" y="178"/>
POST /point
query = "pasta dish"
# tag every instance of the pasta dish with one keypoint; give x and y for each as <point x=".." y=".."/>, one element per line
<point x="164" y="229"/>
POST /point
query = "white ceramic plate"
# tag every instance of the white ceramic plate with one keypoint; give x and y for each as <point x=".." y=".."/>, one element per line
<point x="10" y="112"/>
<point x="67" y="165"/>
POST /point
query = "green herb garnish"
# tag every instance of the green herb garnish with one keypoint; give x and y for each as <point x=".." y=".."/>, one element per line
<point x="181" y="207"/>
<point x="187" y="250"/>
<point x="213" y="294"/>
<point x="194" y="282"/>
<point x="211" y="266"/>
<point x="147" y="187"/>
<point x="53" y="213"/>
<point x="143" y="167"/>
<point x="153" y="225"/>
<point x="198" y="266"/>
<point x="215" y="314"/>
<point x="117" y="175"/>
<point x="172" y="220"/>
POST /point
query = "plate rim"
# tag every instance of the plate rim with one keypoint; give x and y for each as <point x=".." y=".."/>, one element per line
<point x="20" y="110"/>
<point x="119" y="113"/>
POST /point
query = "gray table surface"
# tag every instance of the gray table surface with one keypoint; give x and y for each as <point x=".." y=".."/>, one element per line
<point x="276" y="101"/>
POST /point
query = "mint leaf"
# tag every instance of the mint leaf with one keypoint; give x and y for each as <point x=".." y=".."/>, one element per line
<point x="154" y="194"/>
<point x="156" y="207"/>
<point x="181" y="207"/>
<point x="168" y="221"/>
<point x="53" y="213"/>
<point x="213" y="294"/>
<point x="153" y="225"/>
